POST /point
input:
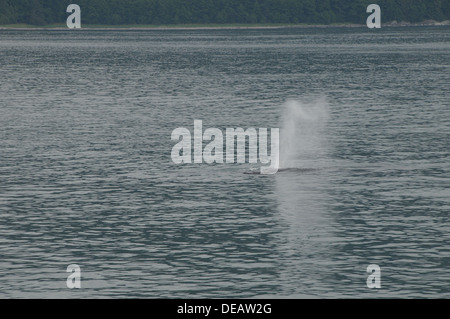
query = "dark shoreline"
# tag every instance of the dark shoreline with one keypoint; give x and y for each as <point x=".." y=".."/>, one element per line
<point x="220" y="27"/>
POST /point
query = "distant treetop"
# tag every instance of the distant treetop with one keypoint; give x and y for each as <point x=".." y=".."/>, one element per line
<point x="167" y="12"/>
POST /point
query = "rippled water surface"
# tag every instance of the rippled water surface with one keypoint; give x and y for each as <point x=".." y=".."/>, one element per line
<point x="86" y="174"/>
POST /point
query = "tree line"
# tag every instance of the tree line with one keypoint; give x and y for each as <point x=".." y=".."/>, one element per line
<point x="166" y="12"/>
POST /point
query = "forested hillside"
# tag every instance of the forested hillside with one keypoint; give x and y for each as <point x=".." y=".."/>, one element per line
<point x="157" y="12"/>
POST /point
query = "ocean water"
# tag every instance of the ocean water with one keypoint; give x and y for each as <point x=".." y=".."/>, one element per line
<point x="86" y="175"/>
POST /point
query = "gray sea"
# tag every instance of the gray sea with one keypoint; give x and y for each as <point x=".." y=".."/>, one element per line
<point x="87" y="178"/>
